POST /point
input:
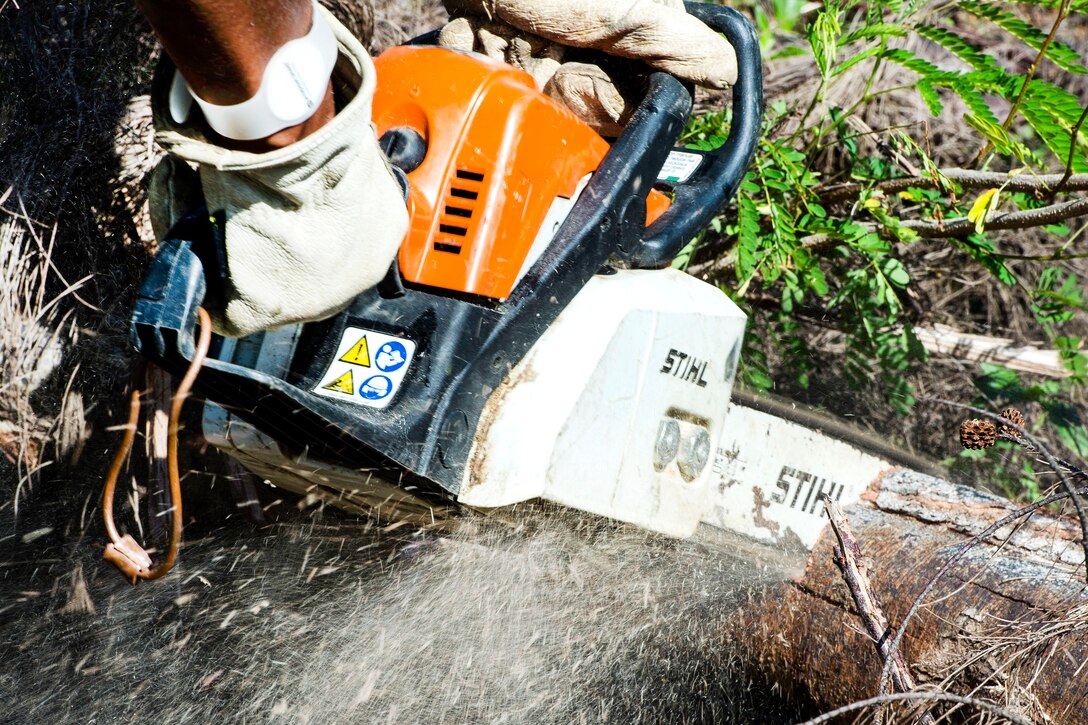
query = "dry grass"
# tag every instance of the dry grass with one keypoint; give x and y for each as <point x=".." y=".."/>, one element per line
<point x="35" y="330"/>
<point x="1001" y="661"/>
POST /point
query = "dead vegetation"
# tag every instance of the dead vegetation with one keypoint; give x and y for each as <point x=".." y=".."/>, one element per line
<point x="35" y="333"/>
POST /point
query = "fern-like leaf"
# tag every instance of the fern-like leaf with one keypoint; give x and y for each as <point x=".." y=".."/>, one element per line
<point x="997" y="81"/>
<point x="919" y="65"/>
<point x="993" y="133"/>
<point x="935" y="77"/>
<point x="880" y="30"/>
<point x="956" y="45"/>
<point x="974" y="100"/>
<point x="747" y="230"/>
<point x="931" y="97"/>
<point x="1060" y="102"/>
<point x="854" y="60"/>
<point x="823" y="37"/>
<point x="1052" y="117"/>
<point x="1061" y="54"/>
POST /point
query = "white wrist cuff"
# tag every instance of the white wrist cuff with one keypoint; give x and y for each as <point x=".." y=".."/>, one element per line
<point x="294" y="83"/>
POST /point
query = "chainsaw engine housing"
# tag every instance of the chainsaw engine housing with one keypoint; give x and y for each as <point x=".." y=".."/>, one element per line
<point x="502" y="165"/>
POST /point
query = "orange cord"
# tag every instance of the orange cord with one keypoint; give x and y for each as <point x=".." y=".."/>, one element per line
<point x="123" y="551"/>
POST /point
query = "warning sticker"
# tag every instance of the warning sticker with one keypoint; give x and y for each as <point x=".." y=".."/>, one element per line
<point x="368" y="368"/>
<point x="343" y="384"/>
<point x="358" y="354"/>
<point x="679" y="166"/>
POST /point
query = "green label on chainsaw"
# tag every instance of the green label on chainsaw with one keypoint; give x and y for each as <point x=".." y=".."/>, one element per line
<point x="368" y="368"/>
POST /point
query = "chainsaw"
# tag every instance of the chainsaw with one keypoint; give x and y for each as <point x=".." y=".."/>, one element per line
<point x="531" y="341"/>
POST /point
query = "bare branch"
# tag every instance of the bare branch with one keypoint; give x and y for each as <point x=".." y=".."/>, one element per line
<point x="968" y="179"/>
<point x="943" y="696"/>
<point x="949" y="228"/>
<point x="851" y="563"/>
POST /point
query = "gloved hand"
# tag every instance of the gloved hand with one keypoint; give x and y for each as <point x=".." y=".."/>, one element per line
<point x="531" y="35"/>
<point x="308" y="226"/>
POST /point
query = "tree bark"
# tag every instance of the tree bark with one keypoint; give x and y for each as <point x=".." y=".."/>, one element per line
<point x="1007" y="623"/>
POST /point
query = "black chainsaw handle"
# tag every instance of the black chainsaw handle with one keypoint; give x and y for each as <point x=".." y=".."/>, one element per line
<point x="713" y="185"/>
<point x="164" y="318"/>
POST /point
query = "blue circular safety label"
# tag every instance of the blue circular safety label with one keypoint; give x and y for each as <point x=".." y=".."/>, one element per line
<point x="376" y="387"/>
<point x="391" y="356"/>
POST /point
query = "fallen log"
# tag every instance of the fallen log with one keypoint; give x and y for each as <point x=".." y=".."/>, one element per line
<point x="1008" y="622"/>
<point x="944" y="341"/>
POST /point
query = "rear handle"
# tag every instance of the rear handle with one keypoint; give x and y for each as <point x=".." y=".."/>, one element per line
<point x="164" y="318"/>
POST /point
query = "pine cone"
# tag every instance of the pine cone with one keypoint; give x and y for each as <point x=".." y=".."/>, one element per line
<point x="977" y="433"/>
<point x="1013" y="416"/>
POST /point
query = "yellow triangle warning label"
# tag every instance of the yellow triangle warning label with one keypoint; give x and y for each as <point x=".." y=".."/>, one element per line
<point x="358" y="354"/>
<point x="343" y="384"/>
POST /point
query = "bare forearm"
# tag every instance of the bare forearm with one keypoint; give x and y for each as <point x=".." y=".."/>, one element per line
<point x="222" y="47"/>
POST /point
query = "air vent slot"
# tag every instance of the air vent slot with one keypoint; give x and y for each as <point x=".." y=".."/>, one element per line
<point x="458" y="209"/>
<point x="466" y="184"/>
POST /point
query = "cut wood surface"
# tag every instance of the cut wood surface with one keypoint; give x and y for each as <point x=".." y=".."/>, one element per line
<point x="1008" y="622"/>
<point x="945" y="341"/>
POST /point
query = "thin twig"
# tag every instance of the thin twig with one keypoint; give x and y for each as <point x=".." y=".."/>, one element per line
<point x="897" y="696"/>
<point x="854" y="572"/>
<point x="1074" y="134"/>
<point x="1076" y="471"/>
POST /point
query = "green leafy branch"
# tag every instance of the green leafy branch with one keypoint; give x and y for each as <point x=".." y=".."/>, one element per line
<point x="819" y="246"/>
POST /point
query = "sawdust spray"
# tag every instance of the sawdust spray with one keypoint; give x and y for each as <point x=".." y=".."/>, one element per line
<point x="547" y="617"/>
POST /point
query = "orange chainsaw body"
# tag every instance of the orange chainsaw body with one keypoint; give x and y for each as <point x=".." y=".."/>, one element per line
<point x="500" y="158"/>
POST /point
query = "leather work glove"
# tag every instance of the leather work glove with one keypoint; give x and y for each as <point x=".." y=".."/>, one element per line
<point x="308" y="226"/>
<point x="532" y="35"/>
